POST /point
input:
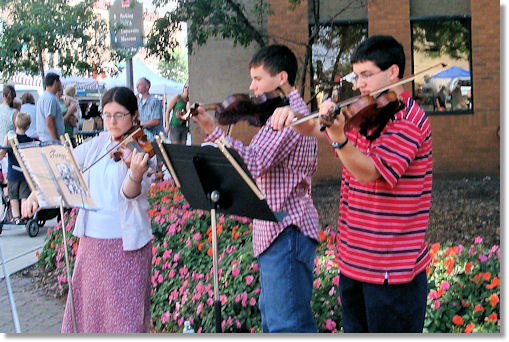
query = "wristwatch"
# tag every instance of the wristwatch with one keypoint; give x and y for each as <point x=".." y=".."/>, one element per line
<point x="339" y="146"/>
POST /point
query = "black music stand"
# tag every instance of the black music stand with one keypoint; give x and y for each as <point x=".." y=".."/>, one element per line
<point x="210" y="181"/>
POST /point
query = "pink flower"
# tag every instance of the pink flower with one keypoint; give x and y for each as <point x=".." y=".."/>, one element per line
<point x="237" y="323"/>
<point x="249" y="279"/>
<point x="160" y="279"/>
<point x="223" y="323"/>
<point x="433" y="294"/>
<point x="210" y="301"/>
<point x="176" y="257"/>
<point x="255" y="267"/>
<point x="330" y="324"/>
<point x="197" y="236"/>
<point x="235" y="272"/>
<point x="199" y="308"/>
<point x="478" y="240"/>
<point x="165" y="317"/>
<point x="436" y="302"/>
<point x="252" y="301"/>
<point x="316" y="283"/>
<point x="244" y="299"/>
<point x="335" y="280"/>
<point x="445" y="285"/>
<point x="237" y="298"/>
<point x="483" y="258"/>
<point x="172" y="274"/>
<point x="223" y="299"/>
<point x="331" y="291"/>
<point x="180" y="321"/>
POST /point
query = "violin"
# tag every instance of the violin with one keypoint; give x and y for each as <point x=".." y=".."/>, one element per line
<point x="369" y="115"/>
<point x="242" y="107"/>
<point x="133" y="139"/>
<point x="366" y="113"/>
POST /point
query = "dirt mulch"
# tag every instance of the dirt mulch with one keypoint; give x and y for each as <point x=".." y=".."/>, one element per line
<point x="461" y="209"/>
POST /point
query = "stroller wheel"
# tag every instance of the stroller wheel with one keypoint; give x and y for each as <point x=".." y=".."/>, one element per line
<point x="32" y="228"/>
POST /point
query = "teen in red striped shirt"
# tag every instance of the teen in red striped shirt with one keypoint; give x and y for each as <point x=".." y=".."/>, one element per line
<point x="385" y="201"/>
<point x="282" y="164"/>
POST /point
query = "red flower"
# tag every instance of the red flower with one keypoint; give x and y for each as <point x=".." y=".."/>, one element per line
<point x="469" y="328"/>
<point x="494" y="299"/>
<point x="478" y="307"/>
<point x="457" y="320"/>
<point x="493" y="317"/>
<point x="468" y="267"/>
<point x="494" y="283"/>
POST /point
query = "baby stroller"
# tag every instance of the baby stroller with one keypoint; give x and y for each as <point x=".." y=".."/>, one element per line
<point x="32" y="224"/>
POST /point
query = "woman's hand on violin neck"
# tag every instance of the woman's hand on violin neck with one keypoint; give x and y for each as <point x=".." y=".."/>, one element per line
<point x="282" y="117"/>
<point x="139" y="164"/>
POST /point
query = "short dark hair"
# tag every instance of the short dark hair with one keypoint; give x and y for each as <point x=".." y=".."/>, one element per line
<point x="382" y="50"/>
<point x="27" y="98"/>
<point x="276" y="58"/>
<point x="123" y="96"/>
<point x="50" y="79"/>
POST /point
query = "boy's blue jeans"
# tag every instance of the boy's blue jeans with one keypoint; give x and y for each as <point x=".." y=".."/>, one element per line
<point x="286" y="275"/>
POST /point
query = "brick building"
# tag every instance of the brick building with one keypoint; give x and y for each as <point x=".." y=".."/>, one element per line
<point x="464" y="142"/>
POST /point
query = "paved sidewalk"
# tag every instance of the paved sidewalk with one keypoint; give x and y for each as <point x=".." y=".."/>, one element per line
<point x="38" y="312"/>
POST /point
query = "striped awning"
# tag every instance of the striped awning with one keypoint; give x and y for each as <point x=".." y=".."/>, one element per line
<point x="79" y="82"/>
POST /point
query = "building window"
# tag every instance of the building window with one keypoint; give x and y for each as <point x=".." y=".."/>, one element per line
<point x="331" y="59"/>
<point x="446" y="40"/>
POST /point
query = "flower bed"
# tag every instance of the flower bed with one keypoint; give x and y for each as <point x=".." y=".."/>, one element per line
<point x="463" y="283"/>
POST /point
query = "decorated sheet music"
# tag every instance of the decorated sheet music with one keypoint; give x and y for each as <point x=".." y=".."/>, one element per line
<point x="52" y="171"/>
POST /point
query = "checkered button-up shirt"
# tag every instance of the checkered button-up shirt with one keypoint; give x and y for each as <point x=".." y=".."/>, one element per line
<point x="282" y="164"/>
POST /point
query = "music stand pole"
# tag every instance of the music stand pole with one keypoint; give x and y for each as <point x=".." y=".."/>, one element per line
<point x="214" y="198"/>
<point x="69" y="278"/>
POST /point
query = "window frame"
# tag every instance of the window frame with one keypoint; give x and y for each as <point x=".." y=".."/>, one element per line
<point x="467" y="18"/>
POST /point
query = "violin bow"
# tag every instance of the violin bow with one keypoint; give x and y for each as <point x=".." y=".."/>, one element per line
<point x="112" y="149"/>
<point x="349" y="101"/>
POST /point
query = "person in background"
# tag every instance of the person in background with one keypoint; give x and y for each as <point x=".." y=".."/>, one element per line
<point x="50" y="121"/>
<point x="17" y="186"/>
<point x="28" y="106"/>
<point x="16" y="104"/>
<point x="70" y="97"/>
<point x="150" y="108"/>
<point x="282" y="164"/>
<point x="385" y="199"/>
<point x="111" y="278"/>
<point x="7" y="115"/>
<point x="177" y="127"/>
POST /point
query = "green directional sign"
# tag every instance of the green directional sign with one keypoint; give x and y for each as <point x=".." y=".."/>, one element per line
<point x="126" y="25"/>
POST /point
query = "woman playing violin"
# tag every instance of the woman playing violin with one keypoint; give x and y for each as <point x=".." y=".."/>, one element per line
<point x="385" y="200"/>
<point x="111" y="279"/>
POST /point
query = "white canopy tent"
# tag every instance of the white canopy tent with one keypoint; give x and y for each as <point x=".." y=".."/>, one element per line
<point x="158" y="84"/>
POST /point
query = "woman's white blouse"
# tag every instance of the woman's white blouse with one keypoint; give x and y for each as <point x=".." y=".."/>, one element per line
<point x="118" y="216"/>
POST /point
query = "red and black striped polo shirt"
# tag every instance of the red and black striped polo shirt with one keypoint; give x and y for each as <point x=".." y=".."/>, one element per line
<point x="382" y="224"/>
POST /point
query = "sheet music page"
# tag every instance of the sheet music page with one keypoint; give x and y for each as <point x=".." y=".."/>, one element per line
<point x="37" y="160"/>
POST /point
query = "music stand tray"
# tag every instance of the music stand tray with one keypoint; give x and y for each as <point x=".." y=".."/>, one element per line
<point x="204" y="169"/>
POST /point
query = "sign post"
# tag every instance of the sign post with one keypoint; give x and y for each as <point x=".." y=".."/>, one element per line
<point x="126" y="31"/>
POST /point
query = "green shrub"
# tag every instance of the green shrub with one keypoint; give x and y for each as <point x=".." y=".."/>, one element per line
<point x="464" y="285"/>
